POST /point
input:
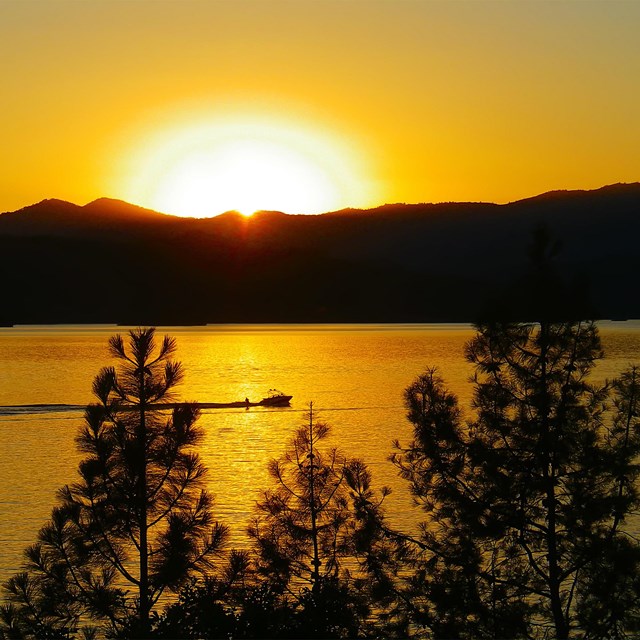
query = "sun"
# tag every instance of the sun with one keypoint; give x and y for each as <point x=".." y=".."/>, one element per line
<point x="204" y="168"/>
<point x="245" y="175"/>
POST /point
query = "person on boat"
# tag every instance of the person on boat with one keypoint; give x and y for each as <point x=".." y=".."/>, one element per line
<point x="247" y="403"/>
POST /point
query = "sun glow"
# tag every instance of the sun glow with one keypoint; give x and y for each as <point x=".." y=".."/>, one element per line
<point x="208" y="167"/>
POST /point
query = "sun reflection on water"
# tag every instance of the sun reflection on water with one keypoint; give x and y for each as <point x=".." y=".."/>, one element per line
<point x="354" y="374"/>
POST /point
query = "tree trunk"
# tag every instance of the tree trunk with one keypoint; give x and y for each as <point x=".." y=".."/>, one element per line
<point x="627" y="433"/>
<point x="315" y="573"/>
<point x="549" y="473"/>
<point x="142" y="513"/>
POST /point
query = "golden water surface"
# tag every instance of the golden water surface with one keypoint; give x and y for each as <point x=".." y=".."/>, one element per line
<point x="354" y="374"/>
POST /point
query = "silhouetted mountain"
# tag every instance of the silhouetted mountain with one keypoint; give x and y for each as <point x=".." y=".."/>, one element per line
<point x="58" y="218"/>
<point x="110" y="261"/>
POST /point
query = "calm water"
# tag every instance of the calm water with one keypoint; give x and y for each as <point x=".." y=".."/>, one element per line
<point x="354" y="374"/>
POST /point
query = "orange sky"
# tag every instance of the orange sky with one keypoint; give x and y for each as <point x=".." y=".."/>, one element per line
<point x="437" y="101"/>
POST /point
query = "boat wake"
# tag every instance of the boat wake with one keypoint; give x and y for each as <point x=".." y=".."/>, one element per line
<point x="30" y="409"/>
<point x="44" y="409"/>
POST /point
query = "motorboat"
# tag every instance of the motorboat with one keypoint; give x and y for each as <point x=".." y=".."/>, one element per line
<point x="275" y="399"/>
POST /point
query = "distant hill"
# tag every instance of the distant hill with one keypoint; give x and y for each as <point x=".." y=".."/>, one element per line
<point x="57" y="218"/>
<point x="110" y="261"/>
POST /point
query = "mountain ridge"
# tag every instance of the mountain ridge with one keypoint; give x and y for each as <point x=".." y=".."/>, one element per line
<point x="557" y="194"/>
<point x="109" y="261"/>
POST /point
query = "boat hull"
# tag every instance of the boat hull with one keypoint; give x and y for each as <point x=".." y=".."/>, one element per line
<point x="275" y="401"/>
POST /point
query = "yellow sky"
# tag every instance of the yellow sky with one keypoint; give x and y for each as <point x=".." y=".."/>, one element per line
<point x="438" y="101"/>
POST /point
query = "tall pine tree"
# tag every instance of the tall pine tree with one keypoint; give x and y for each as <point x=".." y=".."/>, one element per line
<point x="138" y="518"/>
<point x="312" y="537"/>
<point x="526" y="501"/>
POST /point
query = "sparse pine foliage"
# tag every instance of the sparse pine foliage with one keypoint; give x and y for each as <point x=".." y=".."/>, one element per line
<point x="137" y="522"/>
<point x="313" y="533"/>
<point x="526" y="502"/>
<point x="608" y="600"/>
<point x="302" y="521"/>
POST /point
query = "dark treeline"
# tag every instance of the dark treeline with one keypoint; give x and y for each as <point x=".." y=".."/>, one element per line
<point x="346" y="266"/>
<point x="525" y="513"/>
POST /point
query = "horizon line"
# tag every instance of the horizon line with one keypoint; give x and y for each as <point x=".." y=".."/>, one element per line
<point x="344" y="209"/>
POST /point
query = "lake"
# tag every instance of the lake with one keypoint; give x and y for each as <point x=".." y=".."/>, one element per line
<point x="354" y="374"/>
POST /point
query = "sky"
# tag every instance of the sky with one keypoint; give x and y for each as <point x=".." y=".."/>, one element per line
<point x="172" y="104"/>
